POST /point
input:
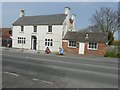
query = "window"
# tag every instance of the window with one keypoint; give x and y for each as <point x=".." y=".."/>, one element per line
<point x="35" y="29"/>
<point x="21" y="40"/>
<point x="92" y="46"/>
<point x="10" y="32"/>
<point x="22" y="28"/>
<point x="49" y="28"/>
<point x="48" y="42"/>
<point x="86" y="35"/>
<point x="72" y="43"/>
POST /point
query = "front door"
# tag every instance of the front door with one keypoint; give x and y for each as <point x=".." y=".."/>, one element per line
<point x="33" y="42"/>
<point x="81" y="48"/>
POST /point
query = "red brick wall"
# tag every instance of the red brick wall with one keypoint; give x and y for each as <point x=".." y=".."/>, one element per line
<point x="102" y="48"/>
<point x="69" y="49"/>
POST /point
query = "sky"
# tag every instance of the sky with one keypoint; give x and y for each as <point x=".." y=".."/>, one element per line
<point x="82" y="10"/>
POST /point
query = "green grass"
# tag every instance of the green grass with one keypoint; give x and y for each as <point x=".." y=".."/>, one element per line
<point x="112" y="54"/>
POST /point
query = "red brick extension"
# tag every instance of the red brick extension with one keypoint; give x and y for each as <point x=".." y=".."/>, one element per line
<point x="102" y="48"/>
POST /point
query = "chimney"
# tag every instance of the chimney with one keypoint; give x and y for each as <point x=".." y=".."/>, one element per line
<point x="67" y="11"/>
<point x="73" y="24"/>
<point x="22" y="13"/>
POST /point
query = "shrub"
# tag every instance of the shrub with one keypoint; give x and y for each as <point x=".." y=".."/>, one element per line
<point x="112" y="54"/>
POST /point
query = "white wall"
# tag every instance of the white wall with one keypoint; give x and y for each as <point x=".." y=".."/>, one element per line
<point x="42" y="34"/>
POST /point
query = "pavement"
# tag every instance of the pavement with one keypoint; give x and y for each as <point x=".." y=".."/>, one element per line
<point x="30" y="69"/>
<point x="56" y="53"/>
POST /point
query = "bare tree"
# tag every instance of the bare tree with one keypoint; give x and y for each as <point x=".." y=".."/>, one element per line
<point x="106" y="21"/>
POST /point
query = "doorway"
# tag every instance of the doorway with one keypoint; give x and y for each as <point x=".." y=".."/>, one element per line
<point x="33" y="42"/>
<point x="81" y="48"/>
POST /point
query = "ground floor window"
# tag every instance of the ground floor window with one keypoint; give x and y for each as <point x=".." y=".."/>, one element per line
<point x="72" y="43"/>
<point x="21" y="40"/>
<point x="93" y="46"/>
<point x="48" y="42"/>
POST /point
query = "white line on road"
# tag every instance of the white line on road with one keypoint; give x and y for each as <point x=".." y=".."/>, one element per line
<point x="11" y="73"/>
<point x="35" y="79"/>
<point x="101" y="66"/>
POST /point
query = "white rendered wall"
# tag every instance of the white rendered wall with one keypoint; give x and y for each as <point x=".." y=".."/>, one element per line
<point x="41" y="34"/>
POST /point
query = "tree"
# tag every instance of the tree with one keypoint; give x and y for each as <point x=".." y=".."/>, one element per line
<point x="106" y="21"/>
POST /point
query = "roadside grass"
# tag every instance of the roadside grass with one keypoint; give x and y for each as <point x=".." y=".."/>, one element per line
<point x="112" y="54"/>
<point x="113" y="51"/>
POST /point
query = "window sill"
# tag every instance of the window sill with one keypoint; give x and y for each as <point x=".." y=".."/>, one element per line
<point x="49" y="32"/>
<point x="34" y="32"/>
<point x="21" y="32"/>
<point x="71" y="47"/>
<point x="92" y="49"/>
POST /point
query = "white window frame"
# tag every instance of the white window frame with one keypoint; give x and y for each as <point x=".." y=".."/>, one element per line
<point x="21" y="40"/>
<point x="72" y="44"/>
<point x="50" y="29"/>
<point x="34" y="29"/>
<point x="90" y="48"/>
<point x="22" y="28"/>
<point x="49" y="42"/>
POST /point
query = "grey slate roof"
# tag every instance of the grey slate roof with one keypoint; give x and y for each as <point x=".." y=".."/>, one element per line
<point x="92" y="36"/>
<point x="54" y="19"/>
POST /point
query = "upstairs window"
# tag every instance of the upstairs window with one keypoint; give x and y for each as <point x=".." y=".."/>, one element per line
<point x="22" y="28"/>
<point x="92" y="46"/>
<point x="49" y="28"/>
<point x="72" y="43"/>
<point x="35" y="29"/>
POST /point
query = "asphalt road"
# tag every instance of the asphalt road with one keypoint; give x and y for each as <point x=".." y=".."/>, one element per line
<point x="27" y="70"/>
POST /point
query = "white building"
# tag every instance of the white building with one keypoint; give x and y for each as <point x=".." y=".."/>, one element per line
<point x="39" y="32"/>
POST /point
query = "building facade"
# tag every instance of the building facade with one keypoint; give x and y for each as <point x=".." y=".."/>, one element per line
<point x="39" y="32"/>
<point x="85" y="43"/>
<point x="5" y="37"/>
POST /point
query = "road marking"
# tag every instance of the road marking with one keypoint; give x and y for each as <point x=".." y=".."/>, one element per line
<point x="11" y="73"/>
<point x="35" y="79"/>
<point x="101" y="66"/>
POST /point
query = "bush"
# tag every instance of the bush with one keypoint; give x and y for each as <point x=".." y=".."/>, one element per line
<point x="112" y="54"/>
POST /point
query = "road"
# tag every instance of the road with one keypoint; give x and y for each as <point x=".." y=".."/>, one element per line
<point x="27" y="70"/>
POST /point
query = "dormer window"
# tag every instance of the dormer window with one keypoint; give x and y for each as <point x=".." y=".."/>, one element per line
<point x="22" y="28"/>
<point x="35" y="29"/>
<point x="86" y="35"/>
<point x="49" y="28"/>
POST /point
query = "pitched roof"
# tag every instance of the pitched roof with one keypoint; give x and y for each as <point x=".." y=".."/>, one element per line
<point x="54" y="19"/>
<point x="92" y="37"/>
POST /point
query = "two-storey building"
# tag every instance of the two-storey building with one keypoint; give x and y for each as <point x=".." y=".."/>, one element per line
<point x="39" y="32"/>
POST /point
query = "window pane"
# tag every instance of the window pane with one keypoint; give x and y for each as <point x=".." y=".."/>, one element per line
<point x="20" y="40"/>
<point x="49" y="28"/>
<point x="22" y="28"/>
<point x="45" y="43"/>
<point x="24" y="41"/>
<point x="51" y="44"/>
<point x="35" y="28"/>
<point x="48" y="43"/>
